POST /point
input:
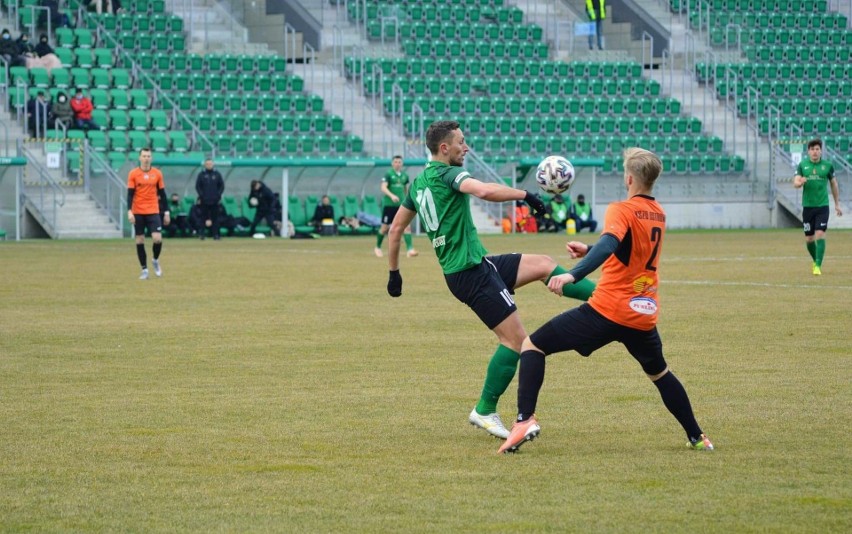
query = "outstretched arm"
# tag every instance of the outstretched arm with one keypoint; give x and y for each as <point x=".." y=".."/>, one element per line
<point x="494" y="192"/>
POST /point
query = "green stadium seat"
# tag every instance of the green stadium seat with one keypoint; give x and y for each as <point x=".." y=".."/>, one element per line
<point x="179" y="141"/>
<point x="138" y="140"/>
<point x="159" y="141"/>
<point x="118" y="141"/>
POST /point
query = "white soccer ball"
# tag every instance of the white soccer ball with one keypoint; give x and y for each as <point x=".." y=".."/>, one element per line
<point x="555" y="175"/>
<point x="253" y="201"/>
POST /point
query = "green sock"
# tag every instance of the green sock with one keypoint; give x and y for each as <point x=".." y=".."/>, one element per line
<point x="820" y="251"/>
<point x="811" y="249"/>
<point x="407" y="238"/>
<point x="582" y="290"/>
<point x="379" y="238"/>
<point x="501" y="371"/>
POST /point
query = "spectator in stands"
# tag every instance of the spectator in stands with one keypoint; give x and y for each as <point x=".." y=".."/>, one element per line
<point x="394" y="187"/>
<point x="9" y="49"/>
<point x="323" y="219"/>
<point x="40" y="55"/>
<point x="62" y="111"/>
<point x="105" y="6"/>
<point x="25" y="47"/>
<point x="179" y="223"/>
<point x="38" y="114"/>
<point x="83" y="108"/>
<point x="209" y="185"/>
<point x="596" y="10"/>
<point x="582" y="215"/>
<point x="559" y="212"/>
<point x="57" y="17"/>
<point x="43" y="47"/>
<point x="263" y="200"/>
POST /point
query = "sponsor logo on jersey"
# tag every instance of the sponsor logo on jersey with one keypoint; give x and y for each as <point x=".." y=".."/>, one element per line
<point x="439" y="241"/>
<point x="643" y="305"/>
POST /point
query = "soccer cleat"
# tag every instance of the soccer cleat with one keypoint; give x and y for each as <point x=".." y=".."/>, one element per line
<point x="817" y="270"/>
<point x="144" y="275"/>
<point x="490" y="423"/>
<point x="701" y="444"/>
<point x="522" y="432"/>
<point x="378" y="252"/>
<point x="157" y="270"/>
<point x="412" y="253"/>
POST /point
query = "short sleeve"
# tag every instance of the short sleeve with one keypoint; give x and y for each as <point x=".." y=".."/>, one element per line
<point x="616" y="221"/>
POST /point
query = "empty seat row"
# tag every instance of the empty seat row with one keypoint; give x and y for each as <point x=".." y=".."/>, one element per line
<point x="450" y="85"/>
<point x="450" y="29"/>
<point x="297" y="145"/>
<point x="85" y="57"/>
<point x="70" y="78"/>
<point x="774" y="71"/>
<point x="789" y="6"/>
<point x="132" y="22"/>
<point x="780" y="20"/>
<point x="541" y="105"/>
<point x="795" y="106"/>
<point x="475" y="49"/>
<point x="269" y="123"/>
<point x="426" y="11"/>
<point x="778" y="36"/>
<point x="231" y="83"/>
<point x="579" y="125"/>
<point x="797" y="53"/>
<point x="490" y="67"/>
<point x="124" y="141"/>
<point x="829" y="126"/>
<point x="211" y="64"/>
<point x="787" y="88"/>
<point x="134" y="119"/>
<point x="74" y="38"/>
<point x="149" y="41"/>
<point x="236" y="102"/>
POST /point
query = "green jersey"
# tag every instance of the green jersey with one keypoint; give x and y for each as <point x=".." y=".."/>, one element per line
<point x="815" y="190"/>
<point x="445" y="215"/>
<point x="397" y="182"/>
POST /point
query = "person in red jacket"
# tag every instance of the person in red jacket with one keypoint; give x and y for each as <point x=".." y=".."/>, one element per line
<point x="83" y="107"/>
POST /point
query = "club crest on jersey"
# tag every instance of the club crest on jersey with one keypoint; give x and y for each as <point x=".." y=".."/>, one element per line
<point x="643" y="305"/>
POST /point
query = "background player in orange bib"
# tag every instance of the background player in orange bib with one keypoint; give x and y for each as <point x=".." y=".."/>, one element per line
<point x="145" y="192"/>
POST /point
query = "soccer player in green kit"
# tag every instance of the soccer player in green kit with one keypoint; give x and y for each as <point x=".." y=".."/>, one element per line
<point x="394" y="187"/>
<point x="814" y="175"/>
<point x="440" y="194"/>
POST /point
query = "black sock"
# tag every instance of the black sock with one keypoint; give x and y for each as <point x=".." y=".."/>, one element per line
<point x="157" y="248"/>
<point x="143" y="258"/>
<point x="530" y="379"/>
<point x="677" y="401"/>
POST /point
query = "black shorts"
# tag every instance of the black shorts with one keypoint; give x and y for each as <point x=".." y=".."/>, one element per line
<point x="389" y="213"/>
<point x="152" y="222"/>
<point x="814" y="219"/>
<point x="585" y="330"/>
<point x="488" y="287"/>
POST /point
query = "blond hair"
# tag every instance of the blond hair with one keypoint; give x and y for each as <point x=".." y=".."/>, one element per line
<point x="643" y="165"/>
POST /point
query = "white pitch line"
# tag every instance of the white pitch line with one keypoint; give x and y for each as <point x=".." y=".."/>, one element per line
<point x="751" y="284"/>
<point x="686" y="259"/>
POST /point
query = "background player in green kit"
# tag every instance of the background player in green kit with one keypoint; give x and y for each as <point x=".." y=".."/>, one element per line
<point x="394" y="187"/>
<point x="485" y="283"/>
<point x="814" y="175"/>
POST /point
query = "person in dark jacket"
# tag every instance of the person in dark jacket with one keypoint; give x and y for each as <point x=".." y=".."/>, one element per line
<point x="62" y="110"/>
<point x="209" y="185"/>
<point x="324" y="216"/>
<point x="25" y="47"/>
<point x="9" y="48"/>
<point x="43" y="47"/>
<point x="38" y="115"/>
<point x="263" y="200"/>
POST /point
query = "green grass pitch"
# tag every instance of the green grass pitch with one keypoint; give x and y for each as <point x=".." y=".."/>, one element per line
<point x="274" y="386"/>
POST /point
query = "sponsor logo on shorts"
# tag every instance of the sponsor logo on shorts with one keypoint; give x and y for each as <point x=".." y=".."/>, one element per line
<point x="643" y="305"/>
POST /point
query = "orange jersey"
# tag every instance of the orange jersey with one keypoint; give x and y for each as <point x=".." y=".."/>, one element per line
<point x="147" y="185"/>
<point x="627" y="290"/>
